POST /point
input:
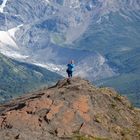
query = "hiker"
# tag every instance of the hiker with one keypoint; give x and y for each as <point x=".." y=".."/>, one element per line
<point x="70" y="68"/>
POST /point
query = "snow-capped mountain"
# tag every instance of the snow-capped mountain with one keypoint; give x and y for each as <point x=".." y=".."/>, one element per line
<point x="51" y="32"/>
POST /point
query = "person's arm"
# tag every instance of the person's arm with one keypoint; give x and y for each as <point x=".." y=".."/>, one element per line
<point x="73" y="65"/>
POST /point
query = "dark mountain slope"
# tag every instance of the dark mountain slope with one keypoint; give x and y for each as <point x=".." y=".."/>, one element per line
<point x="17" y="77"/>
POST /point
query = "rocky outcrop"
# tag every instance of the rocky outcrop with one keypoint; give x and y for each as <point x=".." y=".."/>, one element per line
<point x="69" y="108"/>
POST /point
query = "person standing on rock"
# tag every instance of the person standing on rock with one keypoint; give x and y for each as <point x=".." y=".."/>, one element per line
<point x="70" y="68"/>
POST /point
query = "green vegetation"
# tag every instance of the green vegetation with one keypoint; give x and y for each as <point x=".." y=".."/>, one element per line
<point x="58" y="39"/>
<point x="83" y="137"/>
<point x="17" y="78"/>
<point x="77" y="136"/>
<point x="126" y="84"/>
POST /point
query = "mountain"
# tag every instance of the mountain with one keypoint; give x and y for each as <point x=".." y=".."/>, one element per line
<point x="44" y="28"/>
<point x="70" y="110"/>
<point x="102" y="36"/>
<point x="117" y="37"/>
<point x="17" y="78"/>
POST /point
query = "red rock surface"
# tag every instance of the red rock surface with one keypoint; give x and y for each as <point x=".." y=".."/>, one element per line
<point x="77" y="106"/>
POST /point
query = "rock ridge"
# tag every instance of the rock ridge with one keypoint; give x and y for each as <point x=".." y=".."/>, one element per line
<point x="70" y="107"/>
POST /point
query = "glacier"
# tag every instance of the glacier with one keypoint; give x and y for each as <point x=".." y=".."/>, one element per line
<point x="6" y="39"/>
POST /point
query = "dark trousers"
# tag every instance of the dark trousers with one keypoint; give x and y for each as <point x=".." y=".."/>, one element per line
<point x="69" y="73"/>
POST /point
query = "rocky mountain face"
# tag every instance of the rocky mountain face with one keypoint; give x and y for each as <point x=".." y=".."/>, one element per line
<point x="39" y="31"/>
<point x="71" y="110"/>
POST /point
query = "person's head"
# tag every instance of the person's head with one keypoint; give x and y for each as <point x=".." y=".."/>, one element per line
<point x="72" y="62"/>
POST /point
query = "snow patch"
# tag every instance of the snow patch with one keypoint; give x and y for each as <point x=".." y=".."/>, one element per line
<point x="6" y="39"/>
<point x="49" y="66"/>
<point x="47" y="1"/>
<point x="13" y="30"/>
<point x="13" y="54"/>
<point x="3" y="5"/>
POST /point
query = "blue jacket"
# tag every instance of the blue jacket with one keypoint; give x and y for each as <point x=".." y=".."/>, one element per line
<point x="70" y="67"/>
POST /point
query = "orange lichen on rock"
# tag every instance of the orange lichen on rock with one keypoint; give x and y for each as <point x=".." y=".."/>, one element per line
<point x="81" y="104"/>
<point x="68" y="116"/>
<point x="16" y="118"/>
<point x="36" y="105"/>
<point x="54" y="109"/>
